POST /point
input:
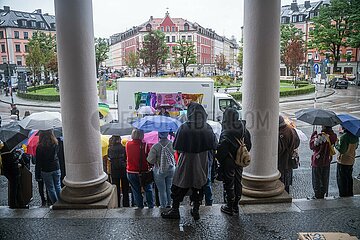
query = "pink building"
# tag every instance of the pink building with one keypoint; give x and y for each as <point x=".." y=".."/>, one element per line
<point x="16" y="28"/>
<point x="204" y="40"/>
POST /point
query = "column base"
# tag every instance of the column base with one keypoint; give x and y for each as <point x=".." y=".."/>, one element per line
<point x="110" y="201"/>
<point x="262" y="187"/>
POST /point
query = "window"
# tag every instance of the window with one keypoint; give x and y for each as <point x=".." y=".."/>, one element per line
<point x="167" y="28"/>
<point x="162" y="29"/>
<point x="33" y="24"/>
<point x="1" y="34"/>
<point x="3" y="48"/>
<point x="167" y="38"/>
<point x="19" y="61"/>
<point x="4" y="60"/>
<point x="189" y="38"/>
<point x="301" y="18"/>
<point x="26" y="35"/>
<point x="42" y="25"/>
<point x="294" y="19"/>
<point x="173" y="29"/>
<point x="23" y="22"/>
<point x="17" y="47"/>
<point x="26" y="48"/>
<point x="148" y="27"/>
<point x="183" y="37"/>
<point x="173" y="39"/>
<point x="16" y="34"/>
<point x="226" y="103"/>
<point x="186" y="27"/>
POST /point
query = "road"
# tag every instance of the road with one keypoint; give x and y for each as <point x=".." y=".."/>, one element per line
<point x="343" y="101"/>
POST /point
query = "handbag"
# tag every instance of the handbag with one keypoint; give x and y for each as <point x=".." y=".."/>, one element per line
<point x="147" y="177"/>
<point x="294" y="160"/>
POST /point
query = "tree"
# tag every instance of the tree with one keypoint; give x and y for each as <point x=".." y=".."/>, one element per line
<point x="101" y="50"/>
<point x="354" y="38"/>
<point x="132" y="60"/>
<point x="221" y="62"/>
<point x="288" y="34"/>
<point x="154" y="50"/>
<point x="184" y="54"/>
<point x="240" y="57"/>
<point x="35" y="59"/>
<point x="294" y="56"/>
<point x="332" y="29"/>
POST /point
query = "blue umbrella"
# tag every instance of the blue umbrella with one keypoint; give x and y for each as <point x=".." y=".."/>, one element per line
<point x="351" y="123"/>
<point x="157" y="123"/>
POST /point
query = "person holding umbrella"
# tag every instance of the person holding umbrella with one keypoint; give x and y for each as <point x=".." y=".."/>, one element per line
<point x="322" y="145"/>
<point x="346" y="146"/>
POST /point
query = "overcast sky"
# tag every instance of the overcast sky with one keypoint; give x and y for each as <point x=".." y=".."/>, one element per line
<point x="114" y="16"/>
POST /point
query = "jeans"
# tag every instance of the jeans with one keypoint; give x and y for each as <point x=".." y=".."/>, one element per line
<point x="53" y="184"/>
<point x="320" y="181"/>
<point x="208" y="192"/>
<point x="345" y="180"/>
<point x="136" y="191"/>
<point x="163" y="182"/>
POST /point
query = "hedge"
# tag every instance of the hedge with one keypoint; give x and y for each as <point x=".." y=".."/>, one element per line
<point x="50" y="98"/>
<point x="283" y="93"/>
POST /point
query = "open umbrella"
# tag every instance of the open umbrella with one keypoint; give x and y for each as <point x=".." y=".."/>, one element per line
<point x="351" y="123"/>
<point x="146" y="110"/>
<point x="104" y="144"/>
<point x="11" y="135"/>
<point x="157" y="123"/>
<point x="115" y="129"/>
<point x="34" y="140"/>
<point x="104" y="109"/>
<point x="42" y="121"/>
<point x="316" y="116"/>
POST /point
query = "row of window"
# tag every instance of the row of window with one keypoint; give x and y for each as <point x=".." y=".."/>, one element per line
<point x="173" y="28"/>
<point x="183" y="37"/>
<point x="18" y="60"/>
<point x="17" y="48"/>
<point x="297" y="18"/>
<point x="16" y="35"/>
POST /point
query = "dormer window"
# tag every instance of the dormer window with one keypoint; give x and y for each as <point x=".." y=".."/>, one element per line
<point x="148" y="27"/>
<point x="33" y="24"/>
<point x="186" y="27"/>
<point x="173" y="29"/>
<point x="167" y="28"/>
<point x="52" y="25"/>
<point x="42" y="25"/>
<point x="301" y="18"/>
<point x="162" y="29"/>
<point x="294" y="18"/>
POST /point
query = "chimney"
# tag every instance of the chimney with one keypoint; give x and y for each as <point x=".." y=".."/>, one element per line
<point x="151" y="18"/>
<point x="38" y="11"/>
<point x="294" y="6"/>
<point x="7" y="8"/>
<point x="307" y="4"/>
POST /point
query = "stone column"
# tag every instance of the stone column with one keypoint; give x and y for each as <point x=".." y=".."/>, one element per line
<point x="261" y="96"/>
<point x="85" y="180"/>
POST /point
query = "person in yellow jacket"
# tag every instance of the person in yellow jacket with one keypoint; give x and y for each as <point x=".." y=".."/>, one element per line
<point x="346" y="146"/>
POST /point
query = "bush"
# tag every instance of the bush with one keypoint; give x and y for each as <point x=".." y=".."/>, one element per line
<point x="31" y="94"/>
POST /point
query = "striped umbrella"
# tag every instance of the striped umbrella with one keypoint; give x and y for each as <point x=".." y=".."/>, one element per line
<point x="104" y="109"/>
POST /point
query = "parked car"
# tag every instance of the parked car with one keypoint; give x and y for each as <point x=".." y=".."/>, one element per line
<point x="339" y="83"/>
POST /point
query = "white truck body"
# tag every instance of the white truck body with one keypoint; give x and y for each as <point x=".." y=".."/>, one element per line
<point x="214" y="103"/>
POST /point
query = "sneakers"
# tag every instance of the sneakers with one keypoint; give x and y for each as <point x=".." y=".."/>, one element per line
<point x="195" y="213"/>
<point x="226" y="209"/>
<point x="173" y="213"/>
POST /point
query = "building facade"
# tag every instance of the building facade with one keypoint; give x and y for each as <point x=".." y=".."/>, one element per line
<point x="16" y="28"/>
<point x="208" y="44"/>
<point x="301" y="15"/>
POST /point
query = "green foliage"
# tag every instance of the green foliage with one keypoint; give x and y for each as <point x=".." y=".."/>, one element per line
<point x="101" y="50"/>
<point x="354" y="22"/>
<point x="240" y="57"/>
<point x="289" y="34"/>
<point x="332" y="28"/>
<point x="154" y="50"/>
<point x="184" y="54"/>
<point x="220" y="61"/>
<point x="132" y="60"/>
<point x="220" y="80"/>
<point x="42" y="54"/>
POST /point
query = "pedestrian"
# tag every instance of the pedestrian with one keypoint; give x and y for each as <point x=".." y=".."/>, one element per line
<point x="117" y="156"/>
<point x="233" y="130"/>
<point x="288" y="142"/>
<point x="48" y="160"/>
<point x="136" y="153"/>
<point x="163" y="112"/>
<point x="15" y="111"/>
<point x="193" y="140"/>
<point x="161" y="155"/>
<point x="322" y="145"/>
<point x="207" y="189"/>
<point x="26" y="114"/>
<point x="346" y="146"/>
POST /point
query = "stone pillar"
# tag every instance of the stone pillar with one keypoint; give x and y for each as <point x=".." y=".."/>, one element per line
<point x="85" y="181"/>
<point x="261" y="96"/>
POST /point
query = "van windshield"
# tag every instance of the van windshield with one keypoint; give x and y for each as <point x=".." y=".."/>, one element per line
<point x="228" y="103"/>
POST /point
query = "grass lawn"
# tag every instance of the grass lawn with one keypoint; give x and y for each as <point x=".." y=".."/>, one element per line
<point x="45" y="91"/>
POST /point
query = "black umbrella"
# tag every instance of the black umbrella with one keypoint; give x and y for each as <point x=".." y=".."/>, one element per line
<point x="115" y="129"/>
<point x="316" y="116"/>
<point x="12" y="134"/>
<point x="57" y="132"/>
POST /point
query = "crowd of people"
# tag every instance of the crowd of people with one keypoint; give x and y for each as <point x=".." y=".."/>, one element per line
<point x="163" y="174"/>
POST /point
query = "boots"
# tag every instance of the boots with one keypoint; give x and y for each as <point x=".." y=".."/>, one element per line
<point x="236" y="206"/>
<point x="228" y="208"/>
<point x="173" y="213"/>
<point x="195" y="211"/>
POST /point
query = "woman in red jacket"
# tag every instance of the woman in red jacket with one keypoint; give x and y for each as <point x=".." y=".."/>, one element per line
<point x="136" y="152"/>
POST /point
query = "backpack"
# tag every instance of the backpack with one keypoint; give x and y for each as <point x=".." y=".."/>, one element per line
<point x="167" y="159"/>
<point x="242" y="157"/>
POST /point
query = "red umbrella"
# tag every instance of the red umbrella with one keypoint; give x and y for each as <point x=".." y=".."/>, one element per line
<point x="32" y="144"/>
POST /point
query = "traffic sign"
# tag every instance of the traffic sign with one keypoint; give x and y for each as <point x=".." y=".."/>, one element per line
<point x="316" y="68"/>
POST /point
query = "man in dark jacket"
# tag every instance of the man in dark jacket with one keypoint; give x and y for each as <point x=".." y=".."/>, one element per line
<point x="288" y="142"/>
<point x="233" y="129"/>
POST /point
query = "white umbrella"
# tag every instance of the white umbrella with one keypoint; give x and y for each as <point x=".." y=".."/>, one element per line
<point x="216" y="127"/>
<point x="42" y="121"/>
<point x="146" y="110"/>
<point x="301" y="135"/>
